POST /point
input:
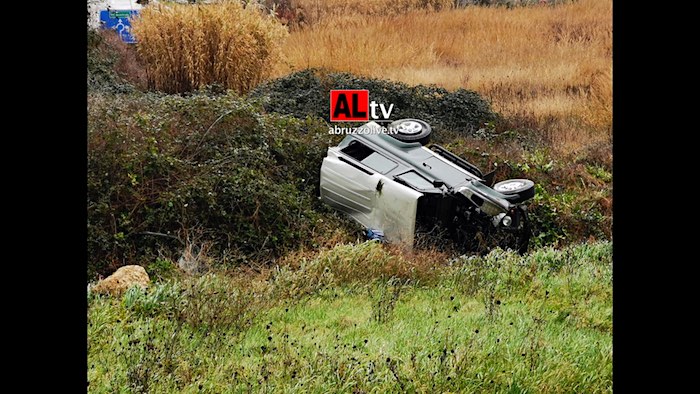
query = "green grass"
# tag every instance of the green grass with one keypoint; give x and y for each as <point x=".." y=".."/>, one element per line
<point x="500" y="323"/>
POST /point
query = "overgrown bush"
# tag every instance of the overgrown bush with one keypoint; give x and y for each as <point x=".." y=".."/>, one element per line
<point x="305" y="93"/>
<point x="162" y="166"/>
<point x="186" y="47"/>
<point x="102" y="61"/>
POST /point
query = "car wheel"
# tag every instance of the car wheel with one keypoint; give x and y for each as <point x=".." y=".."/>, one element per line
<point x="524" y="187"/>
<point x="524" y="233"/>
<point x="411" y="130"/>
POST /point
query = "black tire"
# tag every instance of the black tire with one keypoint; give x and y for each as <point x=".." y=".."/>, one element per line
<point x="523" y="187"/>
<point x="411" y="130"/>
<point x="525" y="232"/>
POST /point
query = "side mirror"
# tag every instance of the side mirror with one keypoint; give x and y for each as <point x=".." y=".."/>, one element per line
<point x="438" y="183"/>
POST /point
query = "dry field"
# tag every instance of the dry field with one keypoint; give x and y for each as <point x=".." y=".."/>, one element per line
<point x="547" y="68"/>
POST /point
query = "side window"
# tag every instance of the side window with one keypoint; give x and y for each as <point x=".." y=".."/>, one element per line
<point x="369" y="157"/>
<point x="414" y="179"/>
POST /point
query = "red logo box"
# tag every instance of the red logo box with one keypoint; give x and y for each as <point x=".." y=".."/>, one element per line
<point x="349" y="105"/>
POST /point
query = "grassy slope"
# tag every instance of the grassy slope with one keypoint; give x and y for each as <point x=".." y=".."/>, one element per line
<point x="544" y="324"/>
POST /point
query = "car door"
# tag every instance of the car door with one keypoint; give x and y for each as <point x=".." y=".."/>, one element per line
<point x="371" y="198"/>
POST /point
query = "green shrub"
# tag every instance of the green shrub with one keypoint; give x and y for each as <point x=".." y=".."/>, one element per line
<point x="161" y="269"/>
<point x="306" y="93"/>
<point x="172" y="165"/>
<point x="102" y="59"/>
<point x="548" y="225"/>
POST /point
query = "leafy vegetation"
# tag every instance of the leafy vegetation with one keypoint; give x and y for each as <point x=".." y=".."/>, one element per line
<point x="102" y="59"/>
<point x="305" y="93"/>
<point x="204" y="169"/>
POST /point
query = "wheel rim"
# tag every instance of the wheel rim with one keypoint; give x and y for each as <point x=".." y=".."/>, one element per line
<point x="409" y="128"/>
<point x="510" y="186"/>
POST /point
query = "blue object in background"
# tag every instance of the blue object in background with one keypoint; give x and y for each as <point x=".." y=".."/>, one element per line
<point x="375" y="235"/>
<point x="119" y="20"/>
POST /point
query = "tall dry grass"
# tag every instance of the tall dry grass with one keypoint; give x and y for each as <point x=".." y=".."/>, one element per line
<point x="545" y="67"/>
<point x="185" y="47"/>
<point x="314" y="11"/>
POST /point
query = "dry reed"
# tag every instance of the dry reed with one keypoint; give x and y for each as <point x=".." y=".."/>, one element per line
<point x="186" y="47"/>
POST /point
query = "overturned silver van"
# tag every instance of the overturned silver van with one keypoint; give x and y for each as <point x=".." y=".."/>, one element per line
<point x="393" y="183"/>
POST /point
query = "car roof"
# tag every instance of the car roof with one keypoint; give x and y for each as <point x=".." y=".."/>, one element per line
<point x="410" y="157"/>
